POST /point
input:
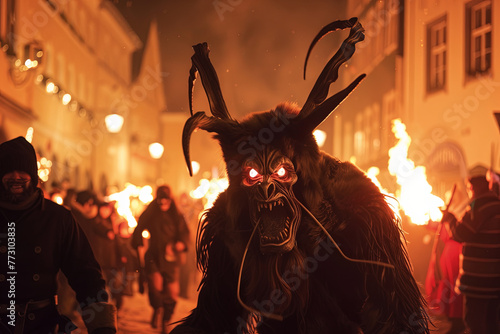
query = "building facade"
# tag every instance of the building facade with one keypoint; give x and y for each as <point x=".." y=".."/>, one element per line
<point x="431" y="64"/>
<point x="65" y="66"/>
<point x="451" y="86"/>
<point x="362" y="124"/>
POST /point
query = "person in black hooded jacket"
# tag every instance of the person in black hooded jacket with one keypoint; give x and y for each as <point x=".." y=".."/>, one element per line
<point x="37" y="239"/>
<point x="167" y="245"/>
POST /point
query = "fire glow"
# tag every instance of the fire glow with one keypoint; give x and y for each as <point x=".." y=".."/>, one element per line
<point x="414" y="195"/>
<point x="126" y="201"/>
<point x="210" y="190"/>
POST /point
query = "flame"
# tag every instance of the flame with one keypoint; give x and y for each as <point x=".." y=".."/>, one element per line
<point x="414" y="195"/>
<point x="372" y="173"/>
<point x="126" y="200"/>
<point x="210" y="190"/>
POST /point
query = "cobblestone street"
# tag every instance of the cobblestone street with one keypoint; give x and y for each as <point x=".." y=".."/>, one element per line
<point x="135" y="315"/>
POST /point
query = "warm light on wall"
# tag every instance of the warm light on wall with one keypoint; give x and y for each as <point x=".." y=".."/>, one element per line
<point x="320" y="137"/>
<point x="114" y="123"/>
<point x="156" y="150"/>
<point x="29" y="134"/>
<point x="195" y="166"/>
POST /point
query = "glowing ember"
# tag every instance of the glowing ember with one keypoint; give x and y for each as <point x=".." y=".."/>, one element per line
<point x="414" y="196"/>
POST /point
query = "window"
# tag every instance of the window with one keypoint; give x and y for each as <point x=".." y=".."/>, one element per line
<point x="478" y="32"/>
<point x="60" y="71"/>
<point x="337" y="134"/>
<point x="81" y="86"/>
<point x="394" y="8"/>
<point x="348" y="140"/>
<point x="7" y="24"/>
<point x="48" y="58"/>
<point x="389" y="113"/>
<point x="71" y="79"/>
<point x="359" y="138"/>
<point x="436" y="55"/>
<point x="375" y="131"/>
<point x="379" y="22"/>
<point x="367" y="128"/>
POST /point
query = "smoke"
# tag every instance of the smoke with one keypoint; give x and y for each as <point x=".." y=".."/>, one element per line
<point x="257" y="47"/>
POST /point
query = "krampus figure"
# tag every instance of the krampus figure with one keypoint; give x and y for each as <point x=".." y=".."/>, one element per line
<point x="299" y="242"/>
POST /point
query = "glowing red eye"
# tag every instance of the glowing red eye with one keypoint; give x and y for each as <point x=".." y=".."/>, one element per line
<point x="281" y="172"/>
<point x="253" y="173"/>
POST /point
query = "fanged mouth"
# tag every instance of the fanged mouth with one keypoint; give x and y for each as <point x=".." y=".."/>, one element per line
<point x="275" y="224"/>
<point x="279" y="239"/>
<point x="270" y="205"/>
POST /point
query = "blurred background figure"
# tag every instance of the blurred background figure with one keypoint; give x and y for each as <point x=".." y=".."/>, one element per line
<point x="440" y="281"/>
<point x="84" y="209"/>
<point x="479" y="232"/>
<point x="107" y="252"/>
<point x="168" y="243"/>
<point x="443" y="301"/>
<point x="82" y="205"/>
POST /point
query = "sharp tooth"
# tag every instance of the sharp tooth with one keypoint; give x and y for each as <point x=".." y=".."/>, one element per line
<point x="270" y="207"/>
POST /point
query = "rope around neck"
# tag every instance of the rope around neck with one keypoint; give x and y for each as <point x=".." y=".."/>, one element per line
<point x="379" y="263"/>
<point x="249" y="308"/>
<point x="276" y="316"/>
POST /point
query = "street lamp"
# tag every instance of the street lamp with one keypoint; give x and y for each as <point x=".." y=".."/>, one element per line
<point x="114" y="123"/>
<point x="156" y="150"/>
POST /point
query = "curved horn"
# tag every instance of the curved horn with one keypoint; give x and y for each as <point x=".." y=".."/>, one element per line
<point x="321" y="112"/>
<point x="198" y="120"/>
<point x="201" y="62"/>
<point x="330" y="73"/>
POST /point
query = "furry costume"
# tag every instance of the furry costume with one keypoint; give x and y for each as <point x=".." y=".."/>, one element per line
<point x="299" y="242"/>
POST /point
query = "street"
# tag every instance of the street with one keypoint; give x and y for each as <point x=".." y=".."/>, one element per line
<point x="135" y="314"/>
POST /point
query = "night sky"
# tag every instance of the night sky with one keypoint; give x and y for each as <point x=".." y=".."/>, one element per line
<point x="257" y="47"/>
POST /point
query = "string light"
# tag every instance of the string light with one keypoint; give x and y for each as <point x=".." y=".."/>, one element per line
<point x="66" y="98"/>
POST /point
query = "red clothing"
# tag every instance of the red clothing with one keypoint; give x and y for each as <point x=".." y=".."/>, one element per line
<point x="442" y="275"/>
